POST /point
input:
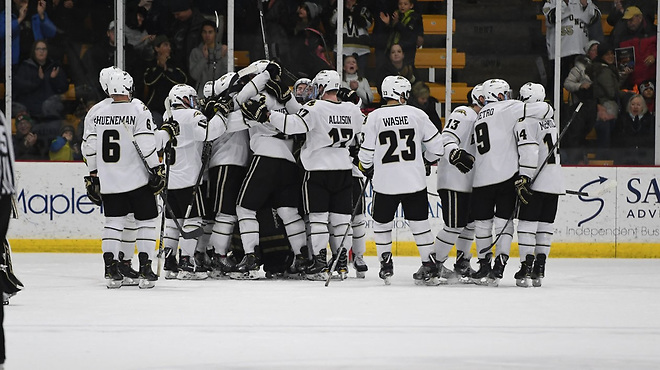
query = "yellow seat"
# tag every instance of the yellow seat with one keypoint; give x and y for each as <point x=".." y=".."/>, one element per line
<point x="436" y="24"/>
<point x="241" y="58"/>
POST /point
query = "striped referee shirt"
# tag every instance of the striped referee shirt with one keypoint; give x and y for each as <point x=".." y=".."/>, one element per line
<point x="7" y="184"/>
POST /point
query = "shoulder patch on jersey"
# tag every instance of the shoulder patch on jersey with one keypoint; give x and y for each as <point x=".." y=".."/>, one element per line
<point x="197" y="113"/>
<point x="462" y="111"/>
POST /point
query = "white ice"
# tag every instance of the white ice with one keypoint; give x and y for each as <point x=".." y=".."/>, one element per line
<point x="589" y="314"/>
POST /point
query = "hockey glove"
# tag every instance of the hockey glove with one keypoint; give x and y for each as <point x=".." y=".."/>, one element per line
<point x="224" y="106"/>
<point x="255" y="110"/>
<point x="93" y="186"/>
<point x="523" y="190"/>
<point x="171" y="127"/>
<point x="348" y="95"/>
<point x="274" y="70"/>
<point x="158" y="179"/>
<point x="463" y="160"/>
<point x="209" y="108"/>
<point x="279" y="90"/>
<point x="427" y="166"/>
<point x="368" y="172"/>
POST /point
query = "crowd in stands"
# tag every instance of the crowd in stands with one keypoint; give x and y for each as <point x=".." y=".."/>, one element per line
<point x="613" y="76"/>
<point x="59" y="46"/>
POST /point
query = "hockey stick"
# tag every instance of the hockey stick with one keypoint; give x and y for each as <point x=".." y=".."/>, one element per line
<point x="551" y="153"/>
<point x="260" y="6"/>
<point x="348" y="228"/>
<point x="166" y="151"/>
<point x="184" y="234"/>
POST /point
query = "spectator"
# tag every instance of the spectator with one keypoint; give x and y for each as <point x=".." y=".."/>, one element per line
<point x="647" y="90"/>
<point x="64" y="148"/>
<point x="381" y="31"/>
<point x="39" y="81"/>
<point x="278" y="23"/>
<point x="606" y="84"/>
<point x="136" y="34"/>
<point x="308" y="16"/>
<point x="208" y="61"/>
<point x="396" y="66"/>
<point x="648" y="7"/>
<point x="641" y="35"/>
<point x="634" y="134"/>
<point x="420" y="97"/>
<point x="27" y="144"/>
<point x="357" y="20"/>
<point x="185" y="33"/>
<point x="576" y="17"/>
<point x="578" y="82"/>
<point x="354" y="80"/>
<point x="160" y="77"/>
<point x="24" y="34"/>
<point x="406" y="29"/>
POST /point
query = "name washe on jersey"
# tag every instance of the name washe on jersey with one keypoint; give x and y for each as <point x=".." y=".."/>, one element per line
<point x="114" y="120"/>
<point x="395" y="121"/>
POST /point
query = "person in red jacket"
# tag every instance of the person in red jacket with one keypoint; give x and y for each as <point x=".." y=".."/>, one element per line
<point x="641" y="35"/>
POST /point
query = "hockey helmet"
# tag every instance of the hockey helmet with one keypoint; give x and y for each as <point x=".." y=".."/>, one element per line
<point x="104" y="77"/>
<point x="477" y="95"/>
<point x="120" y="83"/>
<point x="494" y="87"/>
<point x="303" y="90"/>
<point x="223" y="83"/>
<point x="326" y="80"/>
<point x="395" y="87"/>
<point x="208" y="89"/>
<point x="532" y="92"/>
<point x="183" y="95"/>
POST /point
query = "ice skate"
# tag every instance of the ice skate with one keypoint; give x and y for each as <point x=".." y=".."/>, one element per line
<point x="131" y="276"/>
<point x="462" y="268"/>
<point x="342" y="265"/>
<point x="147" y="277"/>
<point x="427" y="273"/>
<point x="5" y="298"/>
<point x="170" y="267"/>
<point x="386" y="267"/>
<point x="538" y="271"/>
<point x="319" y="269"/>
<point x="187" y="271"/>
<point x="247" y="269"/>
<point x="524" y="275"/>
<point x="297" y="270"/>
<point x="497" y="272"/>
<point x="480" y="277"/>
<point x="222" y="266"/>
<point x="360" y="267"/>
<point x="113" y="278"/>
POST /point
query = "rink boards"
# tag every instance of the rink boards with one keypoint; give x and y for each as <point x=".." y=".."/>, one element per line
<point x="56" y="216"/>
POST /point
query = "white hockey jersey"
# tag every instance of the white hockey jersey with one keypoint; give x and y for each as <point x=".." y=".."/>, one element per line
<point x="535" y="139"/>
<point x="394" y="138"/>
<point x="575" y="21"/>
<point x="187" y="153"/>
<point x="330" y="128"/>
<point x="496" y="151"/>
<point x="108" y="147"/>
<point x="265" y="140"/>
<point x="233" y="147"/>
<point x="457" y="134"/>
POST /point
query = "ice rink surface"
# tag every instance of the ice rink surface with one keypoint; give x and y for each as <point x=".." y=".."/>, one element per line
<point x="589" y="314"/>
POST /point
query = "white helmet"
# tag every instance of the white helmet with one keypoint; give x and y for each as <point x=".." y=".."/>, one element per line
<point x="225" y="82"/>
<point x="476" y="94"/>
<point x="208" y="89"/>
<point x="183" y="95"/>
<point x="532" y="92"/>
<point x="120" y="83"/>
<point x="395" y="87"/>
<point x="104" y="77"/>
<point x="305" y="94"/>
<point x="326" y="80"/>
<point x="254" y="68"/>
<point x="494" y="87"/>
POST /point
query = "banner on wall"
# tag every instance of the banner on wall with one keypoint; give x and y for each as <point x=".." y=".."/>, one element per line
<point x="53" y="205"/>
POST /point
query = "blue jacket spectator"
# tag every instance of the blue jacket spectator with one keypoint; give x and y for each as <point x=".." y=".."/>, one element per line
<point x="42" y="28"/>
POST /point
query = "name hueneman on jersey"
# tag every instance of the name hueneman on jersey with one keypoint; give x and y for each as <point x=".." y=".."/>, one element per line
<point x="114" y="120"/>
<point x="395" y="121"/>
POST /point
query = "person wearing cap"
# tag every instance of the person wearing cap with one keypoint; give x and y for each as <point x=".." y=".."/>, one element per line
<point x="63" y="147"/>
<point x="647" y="90"/>
<point x="27" y="145"/>
<point x="161" y="75"/>
<point x="641" y="35"/>
<point x="648" y="7"/>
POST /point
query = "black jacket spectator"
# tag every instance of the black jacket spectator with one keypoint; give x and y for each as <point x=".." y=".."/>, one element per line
<point x="634" y="134"/>
<point x="160" y="77"/>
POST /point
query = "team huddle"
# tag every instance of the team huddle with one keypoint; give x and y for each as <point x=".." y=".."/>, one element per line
<point x="251" y="143"/>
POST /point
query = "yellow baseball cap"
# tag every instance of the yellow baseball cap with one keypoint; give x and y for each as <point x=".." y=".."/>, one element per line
<point x="631" y="11"/>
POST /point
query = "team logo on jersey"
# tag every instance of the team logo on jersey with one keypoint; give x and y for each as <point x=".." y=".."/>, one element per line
<point x="462" y="111"/>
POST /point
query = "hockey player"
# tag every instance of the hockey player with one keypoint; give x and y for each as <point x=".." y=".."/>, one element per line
<point x="495" y="170"/>
<point x="394" y="138"/>
<point x="454" y="182"/>
<point x="538" y="200"/>
<point x="272" y="177"/>
<point x="118" y="144"/>
<point x="330" y="126"/>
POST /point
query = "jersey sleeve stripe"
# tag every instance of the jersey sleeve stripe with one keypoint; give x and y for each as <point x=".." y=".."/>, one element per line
<point x="432" y="137"/>
<point x="523" y="144"/>
<point x="365" y="148"/>
<point x="144" y="133"/>
<point x="454" y="135"/>
<point x="303" y="121"/>
<point x="530" y="167"/>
